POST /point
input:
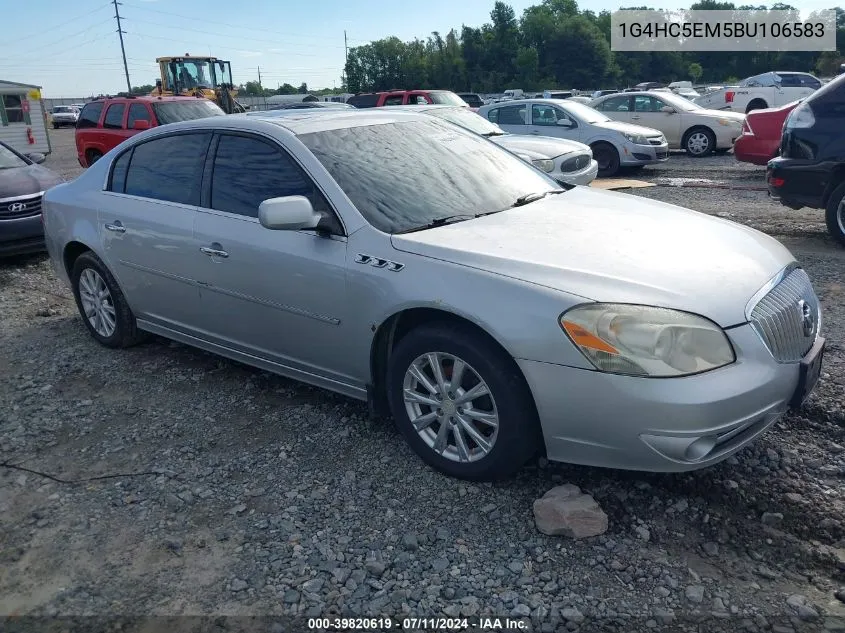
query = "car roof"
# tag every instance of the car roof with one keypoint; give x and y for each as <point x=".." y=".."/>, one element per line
<point x="147" y="99"/>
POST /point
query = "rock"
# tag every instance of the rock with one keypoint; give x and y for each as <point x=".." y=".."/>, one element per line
<point x="291" y="596"/>
<point x="681" y="505"/>
<point x="410" y="542"/>
<point x="375" y="567"/>
<point x="340" y="574"/>
<point x="796" y="600"/>
<point x="440" y="564"/>
<point x="488" y="508"/>
<point x="314" y="585"/>
<point x="695" y="593"/>
<point x="172" y="501"/>
<point x="662" y="592"/>
<point x="840" y="594"/>
<point x="566" y="511"/>
<point x="772" y="518"/>
<point x="238" y="585"/>
<point x="521" y="611"/>
<point x="571" y="614"/>
<point x="642" y="533"/>
<point x="711" y="549"/>
<point x="793" y="497"/>
<point x="807" y="613"/>
<point x="516" y="567"/>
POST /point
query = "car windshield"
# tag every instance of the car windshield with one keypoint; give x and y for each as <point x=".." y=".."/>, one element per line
<point x="679" y="103"/>
<point x="468" y="120"/>
<point x="175" y="111"/>
<point x="446" y="98"/>
<point x="10" y="160"/>
<point x="582" y="112"/>
<point x="408" y="174"/>
<point x="59" y="109"/>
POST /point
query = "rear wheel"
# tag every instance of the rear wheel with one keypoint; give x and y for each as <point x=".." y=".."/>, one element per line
<point x="461" y="403"/>
<point x="835" y="214"/>
<point x="92" y="156"/>
<point x="756" y="104"/>
<point x="608" y="159"/>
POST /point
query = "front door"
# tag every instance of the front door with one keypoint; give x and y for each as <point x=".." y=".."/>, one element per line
<point x="647" y="112"/>
<point x="278" y="295"/>
<point x="548" y="120"/>
<point x="146" y="225"/>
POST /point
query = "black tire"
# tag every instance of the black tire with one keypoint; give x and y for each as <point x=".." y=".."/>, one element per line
<point x="835" y="214"/>
<point x="126" y="332"/>
<point x="607" y="157"/>
<point x="721" y="151"/>
<point x="92" y="156"/>
<point x="756" y="104"/>
<point x="518" y="437"/>
<point x="699" y="142"/>
<point x="55" y="126"/>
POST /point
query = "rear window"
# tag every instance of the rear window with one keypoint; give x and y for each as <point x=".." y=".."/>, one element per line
<point x="363" y="101"/>
<point x="829" y="100"/>
<point x="90" y="115"/>
<point x="188" y="110"/>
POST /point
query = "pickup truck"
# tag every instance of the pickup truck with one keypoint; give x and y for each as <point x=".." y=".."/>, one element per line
<point x="769" y="90"/>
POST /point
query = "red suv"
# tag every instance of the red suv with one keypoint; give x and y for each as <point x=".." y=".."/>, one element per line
<point x="105" y="123"/>
<point x="405" y="97"/>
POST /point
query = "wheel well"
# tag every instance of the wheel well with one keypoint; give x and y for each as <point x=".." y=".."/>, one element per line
<point x="388" y="335"/>
<point x="756" y="104"/>
<point x="72" y="251"/>
<point x="836" y="179"/>
<point x="696" y="128"/>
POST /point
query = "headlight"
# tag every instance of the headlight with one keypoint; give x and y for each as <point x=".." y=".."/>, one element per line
<point x="546" y="164"/>
<point x="636" y="139"/>
<point x="729" y="122"/>
<point x="646" y="341"/>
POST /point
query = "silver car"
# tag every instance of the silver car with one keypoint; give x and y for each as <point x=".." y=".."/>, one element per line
<point x="403" y="261"/>
<point x="615" y="145"/>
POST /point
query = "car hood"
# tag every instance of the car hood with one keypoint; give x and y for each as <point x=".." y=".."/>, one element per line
<point x="613" y="247"/>
<point x="540" y="146"/>
<point x="719" y="114"/>
<point x="22" y="181"/>
<point x="628" y="128"/>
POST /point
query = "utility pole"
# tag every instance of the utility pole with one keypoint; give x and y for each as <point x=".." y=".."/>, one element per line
<point x="345" y="60"/>
<point x="259" y="77"/>
<point x="120" y="33"/>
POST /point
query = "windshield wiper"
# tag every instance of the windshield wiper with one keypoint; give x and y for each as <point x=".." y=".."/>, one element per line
<point x="449" y="219"/>
<point x="528" y="198"/>
<point x="489" y="134"/>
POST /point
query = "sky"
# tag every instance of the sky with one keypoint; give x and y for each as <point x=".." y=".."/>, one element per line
<point x="72" y="49"/>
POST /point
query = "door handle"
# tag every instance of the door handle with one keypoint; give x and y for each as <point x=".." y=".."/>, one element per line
<point x="116" y="227"/>
<point x="535" y="133"/>
<point x="635" y="117"/>
<point x="214" y="252"/>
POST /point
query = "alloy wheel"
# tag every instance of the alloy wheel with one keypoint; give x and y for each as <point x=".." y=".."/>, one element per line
<point x="97" y="303"/>
<point x="451" y="407"/>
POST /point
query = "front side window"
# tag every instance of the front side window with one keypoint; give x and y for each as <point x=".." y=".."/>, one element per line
<point x="114" y="116"/>
<point x="13" y="105"/>
<point x="542" y="114"/>
<point x="392" y="101"/>
<point x="168" y="168"/>
<point x="90" y="115"/>
<point x="404" y="175"/>
<point x="248" y="171"/>
<point x="137" y="112"/>
<point x="643" y="103"/>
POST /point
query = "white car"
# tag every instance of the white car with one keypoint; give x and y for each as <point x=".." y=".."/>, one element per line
<point x="64" y="115"/>
<point x="686" y="125"/>
<point x="615" y="145"/>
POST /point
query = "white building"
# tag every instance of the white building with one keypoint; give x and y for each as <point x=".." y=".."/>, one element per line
<point x="23" y="124"/>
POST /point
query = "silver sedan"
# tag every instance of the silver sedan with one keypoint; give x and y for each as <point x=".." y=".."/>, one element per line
<point x="403" y="261"/>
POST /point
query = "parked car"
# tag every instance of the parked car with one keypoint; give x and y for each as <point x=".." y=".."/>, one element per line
<point x="580" y="99"/>
<point x="105" y="123"/>
<point x="601" y="93"/>
<point x="684" y="89"/>
<point x="614" y="144"/>
<point x="768" y="90"/>
<point x="555" y="94"/>
<point x="761" y="133"/>
<point x="472" y="100"/>
<point x="810" y="171"/>
<point x="23" y="182"/>
<point x="568" y="162"/>
<point x="686" y="126"/>
<point x="64" y="115"/>
<point x="405" y="97"/>
<point x="309" y="104"/>
<point x="437" y="276"/>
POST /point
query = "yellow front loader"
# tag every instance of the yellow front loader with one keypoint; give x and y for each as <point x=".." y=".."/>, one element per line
<point x="197" y="76"/>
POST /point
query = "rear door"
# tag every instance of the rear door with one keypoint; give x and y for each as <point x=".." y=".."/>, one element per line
<point x="418" y="98"/>
<point x="146" y="225"/>
<point x="279" y="295"/>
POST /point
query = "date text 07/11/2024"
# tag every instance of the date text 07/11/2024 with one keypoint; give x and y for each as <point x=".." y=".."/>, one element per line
<point x="418" y="624"/>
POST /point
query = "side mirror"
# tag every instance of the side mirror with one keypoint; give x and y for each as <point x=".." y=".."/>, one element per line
<point x="36" y="158"/>
<point x="141" y="124"/>
<point x="288" y="213"/>
<point x="668" y="110"/>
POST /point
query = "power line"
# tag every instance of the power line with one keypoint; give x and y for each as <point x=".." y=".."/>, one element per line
<point x="62" y="39"/>
<point x="120" y="33"/>
<point x="50" y="29"/>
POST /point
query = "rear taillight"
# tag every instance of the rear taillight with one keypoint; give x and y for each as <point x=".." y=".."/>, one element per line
<point x="729" y="96"/>
<point x="746" y="128"/>
<point x="776" y="182"/>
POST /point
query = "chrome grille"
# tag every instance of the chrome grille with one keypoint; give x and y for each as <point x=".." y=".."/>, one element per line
<point x="656" y="140"/>
<point x="576" y="163"/>
<point x="788" y="317"/>
<point x="22" y="207"/>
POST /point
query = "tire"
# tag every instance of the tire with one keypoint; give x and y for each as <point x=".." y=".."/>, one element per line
<point x="55" y="126"/>
<point x="721" y="151"/>
<point x="756" y="104"/>
<point x="89" y="273"/>
<point x="512" y="443"/>
<point x="835" y="214"/>
<point x="92" y="156"/>
<point x="699" y="142"/>
<point x="607" y="157"/>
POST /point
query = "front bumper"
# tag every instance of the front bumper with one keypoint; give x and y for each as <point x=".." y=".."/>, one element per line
<point x="64" y="121"/>
<point x="661" y="425"/>
<point x="799" y="183"/>
<point x="21" y="235"/>
<point x="632" y="155"/>
<point x="582" y="177"/>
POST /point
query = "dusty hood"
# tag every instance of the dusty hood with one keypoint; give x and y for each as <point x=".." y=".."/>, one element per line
<point x="539" y="146"/>
<point x="628" y="128"/>
<point x="614" y="247"/>
<point x="21" y="181"/>
<point x="720" y="114"/>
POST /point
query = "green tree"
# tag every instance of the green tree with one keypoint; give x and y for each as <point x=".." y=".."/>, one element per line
<point x="143" y="90"/>
<point x="695" y="71"/>
<point x="828" y="63"/>
<point x="303" y="88"/>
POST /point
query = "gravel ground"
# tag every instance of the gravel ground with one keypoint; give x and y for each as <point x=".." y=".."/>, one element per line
<point x="163" y="480"/>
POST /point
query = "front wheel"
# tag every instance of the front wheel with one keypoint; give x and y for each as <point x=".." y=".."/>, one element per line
<point x="461" y="403"/>
<point x="835" y="214"/>
<point x="700" y="142"/>
<point x="607" y="157"/>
